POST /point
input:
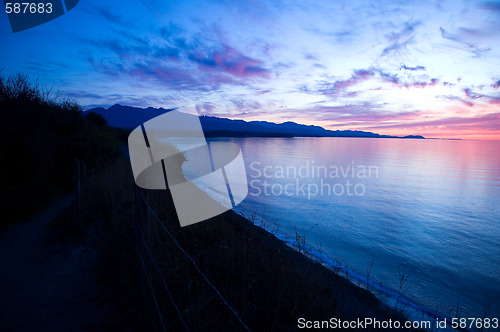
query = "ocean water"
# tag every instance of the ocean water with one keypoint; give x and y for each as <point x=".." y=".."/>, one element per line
<point x="420" y="217"/>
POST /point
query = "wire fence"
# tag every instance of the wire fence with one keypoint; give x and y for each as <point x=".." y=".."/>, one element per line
<point x="143" y="250"/>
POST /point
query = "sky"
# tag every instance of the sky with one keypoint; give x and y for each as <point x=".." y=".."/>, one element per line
<point x="427" y="68"/>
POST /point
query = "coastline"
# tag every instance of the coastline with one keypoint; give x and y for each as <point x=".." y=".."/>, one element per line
<point x="268" y="283"/>
<point x="392" y="299"/>
<point x="358" y="302"/>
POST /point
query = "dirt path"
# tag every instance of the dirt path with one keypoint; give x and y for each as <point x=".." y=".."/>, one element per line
<point x="47" y="286"/>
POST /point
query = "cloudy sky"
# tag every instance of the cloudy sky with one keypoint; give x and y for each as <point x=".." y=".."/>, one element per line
<point x="391" y="67"/>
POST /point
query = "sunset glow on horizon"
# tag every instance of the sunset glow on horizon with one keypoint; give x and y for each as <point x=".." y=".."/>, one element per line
<point x="427" y="68"/>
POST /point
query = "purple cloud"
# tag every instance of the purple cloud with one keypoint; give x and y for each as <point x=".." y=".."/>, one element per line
<point x="494" y="101"/>
<point x="463" y="101"/>
<point x="360" y="75"/>
<point x="467" y="37"/>
<point x="432" y="82"/>
<point x="231" y="61"/>
<point x="334" y="89"/>
<point x="405" y="67"/>
<point x="399" y="40"/>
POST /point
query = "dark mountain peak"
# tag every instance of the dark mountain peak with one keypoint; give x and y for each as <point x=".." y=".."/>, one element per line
<point x="115" y="106"/>
<point x="128" y="117"/>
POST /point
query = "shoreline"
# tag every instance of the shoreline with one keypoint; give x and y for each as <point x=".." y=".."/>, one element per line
<point x="308" y="256"/>
<point x="388" y="296"/>
<point x="242" y="257"/>
<point x="260" y="273"/>
<point x="282" y="247"/>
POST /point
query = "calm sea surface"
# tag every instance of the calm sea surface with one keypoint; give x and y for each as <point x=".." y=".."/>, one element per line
<point x="420" y="216"/>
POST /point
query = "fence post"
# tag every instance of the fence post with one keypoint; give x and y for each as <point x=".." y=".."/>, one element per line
<point x="76" y="191"/>
<point x="83" y="177"/>
<point x="138" y="215"/>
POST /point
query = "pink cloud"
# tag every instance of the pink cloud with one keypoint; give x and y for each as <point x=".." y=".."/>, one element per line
<point x="486" y="122"/>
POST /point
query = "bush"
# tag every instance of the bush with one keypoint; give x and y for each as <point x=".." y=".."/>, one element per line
<point x="40" y="135"/>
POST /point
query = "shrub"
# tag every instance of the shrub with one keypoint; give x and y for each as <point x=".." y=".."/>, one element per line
<point x="40" y="135"/>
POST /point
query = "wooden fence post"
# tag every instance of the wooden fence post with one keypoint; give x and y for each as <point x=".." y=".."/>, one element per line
<point x="83" y="177"/>
<point x="76" y="191"/>
<point x="138" y="221"/>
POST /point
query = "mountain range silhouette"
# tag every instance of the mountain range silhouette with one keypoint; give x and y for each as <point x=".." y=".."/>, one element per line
<point x="128" y="117"/>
